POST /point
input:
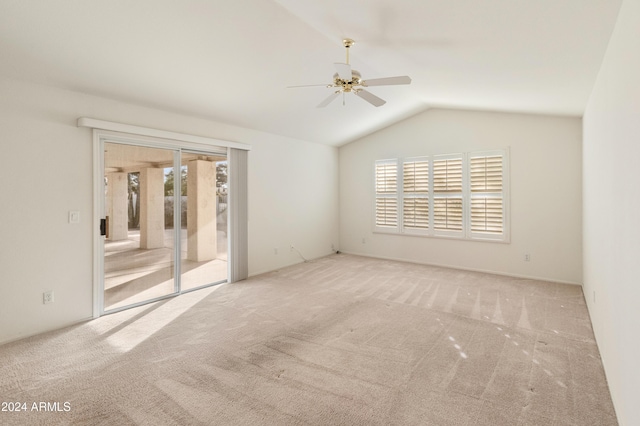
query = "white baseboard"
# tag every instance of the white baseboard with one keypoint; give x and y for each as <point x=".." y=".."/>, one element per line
<point x="486" y="271"/>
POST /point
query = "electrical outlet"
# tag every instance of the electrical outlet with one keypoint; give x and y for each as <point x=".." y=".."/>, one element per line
<point x="47" y="297"/>
<point x="74" y="216"/>
<point x="290" y="247"/>
<point x="364" y="240"/>
<point x="333" y="247"/>
<point x="275" y="250"/>
<point x="527" y="257"/>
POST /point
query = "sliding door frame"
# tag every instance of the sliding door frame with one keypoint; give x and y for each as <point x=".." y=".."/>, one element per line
<point x="152" y="138"/>
<point x="175" y="164"/>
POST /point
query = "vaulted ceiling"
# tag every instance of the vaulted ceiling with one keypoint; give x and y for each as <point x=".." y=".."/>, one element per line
<point x="232" y="61"/>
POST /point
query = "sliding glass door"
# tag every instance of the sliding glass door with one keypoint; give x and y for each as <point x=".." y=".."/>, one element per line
<point x="164" y="224"/>
<point x="204" y="220"/>
<point x="139" y="248"/>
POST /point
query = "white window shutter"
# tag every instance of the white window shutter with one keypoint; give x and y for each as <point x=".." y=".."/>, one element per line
<point x="486" y="176"/>
<point x="415" y="188"/>
<point x="447" y="213"/>
<point x="486" y="215"/>
<point x="447" y="175"/>
<point x="386" y="182"/>
<point x="386" y="212"/>
<point x="448" y="207"/>
<point x="416" y="176"/>
<point x="463" y="195"/>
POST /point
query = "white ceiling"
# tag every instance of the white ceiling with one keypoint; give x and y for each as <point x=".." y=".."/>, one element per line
<point x="231" y="60"/>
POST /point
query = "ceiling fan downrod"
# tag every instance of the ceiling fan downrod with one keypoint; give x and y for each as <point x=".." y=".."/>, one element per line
<point x="347" y="42"/>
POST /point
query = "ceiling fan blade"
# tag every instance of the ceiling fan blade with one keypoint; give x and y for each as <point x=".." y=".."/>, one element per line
<point x="328" y="100"/>
<point x="387" y="81"/>
<point x="344" y="71"/>
<point x="371" y="98"/>
<point x="309" y="85"/>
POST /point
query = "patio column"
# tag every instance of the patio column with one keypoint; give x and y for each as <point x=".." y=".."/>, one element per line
<point x="117" y="198"/>
<point x="201" y="211"/>
<point x="151" y="208"/>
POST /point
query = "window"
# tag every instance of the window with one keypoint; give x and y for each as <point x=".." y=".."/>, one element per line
<point x="447" y="195"/>
<point x="486" y="198"/>
<point x="387" y="193"/>
<point x="454" y="195"/>
<point x="415" y="195"/>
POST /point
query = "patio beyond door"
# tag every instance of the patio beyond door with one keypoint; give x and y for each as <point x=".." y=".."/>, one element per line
<point x="203" y="225"/>
<point x="164" y="223"/>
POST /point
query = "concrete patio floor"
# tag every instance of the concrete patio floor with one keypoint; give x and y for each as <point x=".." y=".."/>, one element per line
<point x="133" y="275"/>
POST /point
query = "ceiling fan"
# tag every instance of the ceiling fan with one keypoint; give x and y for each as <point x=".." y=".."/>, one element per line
<point x="348" y="80"/>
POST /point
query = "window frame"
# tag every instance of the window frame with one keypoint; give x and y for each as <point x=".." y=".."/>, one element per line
<point x="403" y="195"/>
<point x="504" y="194"/>
<point x="450" y="195"/>
<point x="466" y="195"/>
<point x="385" y="195"/>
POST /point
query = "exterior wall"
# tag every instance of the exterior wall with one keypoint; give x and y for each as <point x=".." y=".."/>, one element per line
<point x="545" y="200"/>
<point x="293" y="198"/>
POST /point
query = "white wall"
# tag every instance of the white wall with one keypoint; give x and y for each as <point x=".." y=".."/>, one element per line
<point x="545" y="192"/>
<point x="612" y="212"/>
<point x="46" y="170"/>
<point x="293" y="199"/>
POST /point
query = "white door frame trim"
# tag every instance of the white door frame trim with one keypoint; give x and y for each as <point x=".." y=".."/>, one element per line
<point x="108" y="131"/>
<point x="184" y="138"/>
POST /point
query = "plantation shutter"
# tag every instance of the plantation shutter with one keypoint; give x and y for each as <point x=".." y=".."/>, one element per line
<point x="447" y="190"/>
<point x="386" y="182"/>
<point x="486" y="182"/>
<point x="416" y="176"/>
<point x="415" y="202"/>
<point x="447" y="175"/>
<point x="486" y="174"/>
<point x="463" y="195"/>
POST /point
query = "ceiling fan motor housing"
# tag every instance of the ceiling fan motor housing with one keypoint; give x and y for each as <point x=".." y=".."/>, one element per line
<point x="347" y="86"/>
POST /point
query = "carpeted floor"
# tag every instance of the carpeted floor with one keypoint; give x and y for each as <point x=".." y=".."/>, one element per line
<point x="342" y="340"/>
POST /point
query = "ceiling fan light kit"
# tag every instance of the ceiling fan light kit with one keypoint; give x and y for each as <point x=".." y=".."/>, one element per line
<point x="348" y="80"/>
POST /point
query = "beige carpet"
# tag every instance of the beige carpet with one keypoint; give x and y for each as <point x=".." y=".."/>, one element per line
<point x="342" y="340"/>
